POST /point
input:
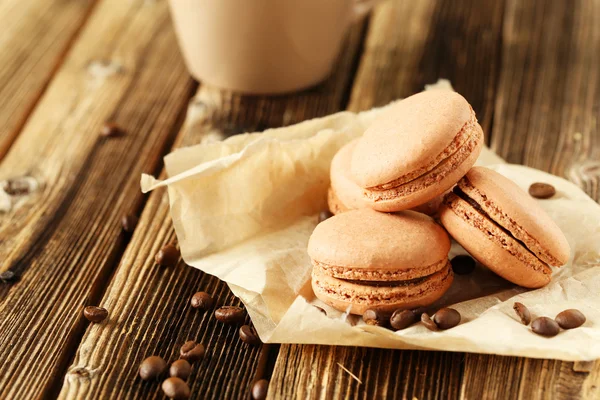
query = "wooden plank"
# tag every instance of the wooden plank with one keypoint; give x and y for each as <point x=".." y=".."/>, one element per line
<point x="63" y="239"/>
<point x="155" y="313"/>
<point x="546" y="117"/>
<point x="409" y="44"/>
<point x="36" y="34"/>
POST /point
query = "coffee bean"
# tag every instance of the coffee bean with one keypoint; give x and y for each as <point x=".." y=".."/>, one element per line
<point x="111" y="130"/>
<point x="175" y="388"/>
<point x="248" y="335"/>
<point x="446" y="318"/>
<point x="374" y="317"/>
<point x="8" y="276"/>
<point x="260" y="389"/>
<point x="463" y="265"/>
<point x="522" y="312"/>
<point x="320" y="309"/>
<point x="181" y="369"/>
<point x="129" y="222"/>
<point x="230" y="315"/>
<point x="428" y="322"/>
<point x="402" y="319"/>
<point x="325" y="214"/>
<point x="570" y="319"/>
<point x="95" y="314"/>
<point x="202" y="301"/>
<point x="152" y="368"/>
<point x="541" y="190"/>
<point x="17" y="187"/>
<point x="192" y="351"/>
<point x="167" y="256"/>
<point x="545" y="326"/>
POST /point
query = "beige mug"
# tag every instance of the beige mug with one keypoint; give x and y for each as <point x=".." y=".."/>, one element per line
<point x="263" y="46"/>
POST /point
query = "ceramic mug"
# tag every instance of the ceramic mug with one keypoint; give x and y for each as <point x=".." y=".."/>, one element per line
<point x="263" y="46"/>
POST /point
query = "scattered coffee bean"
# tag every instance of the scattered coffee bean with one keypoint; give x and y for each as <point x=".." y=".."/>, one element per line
<point x="541" y="190"/>
<point x="7" y="276"/>
<point x="320" y="309"/>
<point x="325" y="214"/>
<point x="175" y="388"/>
<point x="248" y="335"/>
<point x="167" y="256"/>
<point x="463" y="265"/>
<point x="129" y="222"/>
<point x="446" y="318"/>
<point x="95" y="314"/>
<point x="402" y="319"/>
<point x="17" y="187"/>
<point x="428" y="322"/>
<point x="374" y="317"/>
<point x="192" y="351"/>
<point x="202" y="301"/>
<point x="570" y="319"/>
<point x="230" y="315"/>
<point x="259" y="389"/>
<point x="181" y="369"/>
<point x="110" y="129"/>
<point x="545" y="326"/>
<point x="152" y="368"/>
<point x="522" y="312"/>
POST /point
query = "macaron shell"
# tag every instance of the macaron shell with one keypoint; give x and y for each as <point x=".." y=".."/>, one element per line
<point x="486" y="249"/>
<point x="517" y="211"/>
<point x="334" y="203"/>
<point x="344" y="187"/>
<point x="408" y="136"/>
<point x="343" y="295"/>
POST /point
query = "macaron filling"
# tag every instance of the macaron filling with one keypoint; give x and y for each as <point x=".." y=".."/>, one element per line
<point x="455" y="154"/>
<point x="389" y="275"/>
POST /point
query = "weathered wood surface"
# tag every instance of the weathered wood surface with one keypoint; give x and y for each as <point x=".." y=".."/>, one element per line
<point x="64" y="238"/>
<point x="154" y="317"/>
<point x="35" y="36"/>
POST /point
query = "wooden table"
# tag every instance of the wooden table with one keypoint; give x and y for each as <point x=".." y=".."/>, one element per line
<point x="531" y="70"/>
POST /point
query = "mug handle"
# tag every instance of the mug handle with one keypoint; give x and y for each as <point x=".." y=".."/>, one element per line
<point x="362" y="8"/>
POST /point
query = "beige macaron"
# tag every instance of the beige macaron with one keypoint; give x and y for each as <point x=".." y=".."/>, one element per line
<point x="504" y="228"/>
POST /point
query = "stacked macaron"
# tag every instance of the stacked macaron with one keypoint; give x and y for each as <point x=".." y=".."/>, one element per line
<point x="375" y="254"/>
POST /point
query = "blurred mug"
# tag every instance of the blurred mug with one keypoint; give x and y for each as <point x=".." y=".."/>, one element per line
<point x="263" y="46"/>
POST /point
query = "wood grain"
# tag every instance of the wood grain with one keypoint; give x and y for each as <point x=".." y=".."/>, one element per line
<point x="63" y="239"/>
<point x="36" y="34"/>
<point x="408" y="45"/>
<point x="149" y="306"/>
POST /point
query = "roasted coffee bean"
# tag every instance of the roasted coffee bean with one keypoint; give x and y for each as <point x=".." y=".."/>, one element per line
<point x="446" y="318"/>
<point x="175" y="388"/>
<point x="8" y="276"/>
<point x="522" y="312"/>
<point x="129" y="222"/>
<point x="428" y="322"/>
<point x="402" y="319"/>
<point x="95" y="314"/>
<point x="167" y="256"/>
<point x="541" y="190"/>
<point x="463" y="265"/>
<point x="320" y="309"/>
<point x="111" y="130"/>
<point x="374" y="317"/>
<point x="202" y="301"/>
<point x="192" y="351"/>
<point x="545" y="326"/>
<point x="570" y="319"/>
<point x="230" y="315"/>
<point x="260" y="389"/>
<point x="181" y="369"/>
<point x="248" y="335"/>
<point x="152" y="368"/>
<point x="325" y="214"/>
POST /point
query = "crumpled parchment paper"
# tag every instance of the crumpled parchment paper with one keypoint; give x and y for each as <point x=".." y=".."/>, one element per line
<point x="244" y="208"/>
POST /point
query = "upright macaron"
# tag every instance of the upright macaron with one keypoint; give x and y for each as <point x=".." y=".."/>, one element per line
<point x="504" y="228"/>
<point x="364" y="259"/>
<point x="417" y="150"/>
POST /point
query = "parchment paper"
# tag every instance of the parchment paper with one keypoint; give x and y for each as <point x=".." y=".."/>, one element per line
<point x="244" y="208"/>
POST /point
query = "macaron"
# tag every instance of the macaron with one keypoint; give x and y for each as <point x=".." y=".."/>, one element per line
<point x="504" y="228"/>
<point x="344" y="194"/>
<point x="416" y="150"/>
<point x="363" y="259"/>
